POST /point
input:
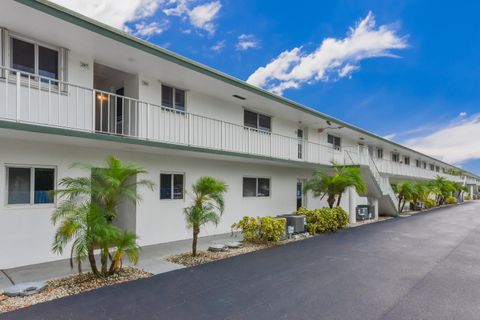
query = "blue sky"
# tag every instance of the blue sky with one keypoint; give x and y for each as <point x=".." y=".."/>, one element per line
<point x="411" y="74"/>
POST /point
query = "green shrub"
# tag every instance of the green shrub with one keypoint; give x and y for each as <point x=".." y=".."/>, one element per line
<point x="261" y="228"/>
<point x="324" y="219"/>
<point x="429" y="203"/>
<point x="302" y="211"/>
<point x="451" y="200"/>
<point x="467" y="197"/>
<point x="342" y="217"/>
<point x="249" y="227"/>
<point x="272" y="229"/>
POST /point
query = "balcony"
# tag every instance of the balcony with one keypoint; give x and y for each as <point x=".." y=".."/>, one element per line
<point x="28" y="98"/>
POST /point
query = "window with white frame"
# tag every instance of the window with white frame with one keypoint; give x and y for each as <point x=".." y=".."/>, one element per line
<point x="30" y="185"/>
<point x="31" y="57"/>
<point x="334" y="141"/>
<point x="171" y="186"/>
<point x="173" y="98"/>
<point x="406" y="160"/>
<point x="432" y="167"/>
<point x="257" y="121"/>
<point x="379" y="153"/>
<point x="418" y="163"/>
<point x="395" y="157"/>
<point x="256" y="187"/>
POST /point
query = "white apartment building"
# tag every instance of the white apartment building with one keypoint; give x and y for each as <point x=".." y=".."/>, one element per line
<point x="73" y="89"/>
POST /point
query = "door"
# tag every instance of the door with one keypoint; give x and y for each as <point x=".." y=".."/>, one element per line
<point x="301" y="198"/>
<point x="300" y="143"/>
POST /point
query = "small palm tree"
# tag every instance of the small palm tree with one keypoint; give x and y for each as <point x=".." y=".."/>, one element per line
<point x="405" y="192"/>
<point x="419" y="192"/>
<point x="86" y="226"/>
<point x="125" y="244"/>
<point x="333" y="186"/>
<point x="89" y="208"/>
<point x="208" y="206"/>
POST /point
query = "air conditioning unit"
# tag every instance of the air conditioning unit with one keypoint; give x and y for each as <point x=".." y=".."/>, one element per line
<point x="295" y="221"/>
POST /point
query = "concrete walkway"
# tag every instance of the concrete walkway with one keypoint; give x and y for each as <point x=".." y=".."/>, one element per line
<point x="151" y="260"/>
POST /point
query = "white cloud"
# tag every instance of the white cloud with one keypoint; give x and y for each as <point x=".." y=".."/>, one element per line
<point x="333" y="58"/>
<point x="456" y="142"/>
<point x="219" y="46"/>
<point x="201" y="16"/>
<point x="246" y="41"/>
<point x="118" y="13"/>
<point x="462" y="114"/>
<point x="146" y="30"/>
<point x="113" y="12"/>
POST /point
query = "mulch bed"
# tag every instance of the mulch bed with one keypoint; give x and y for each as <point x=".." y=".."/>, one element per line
<point x="70" y="285"/>
<point x="202" y="257"/>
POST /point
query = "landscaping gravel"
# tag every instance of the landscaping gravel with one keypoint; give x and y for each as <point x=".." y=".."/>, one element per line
<point x="68" y="286"/>
<point x="202" y="257"/>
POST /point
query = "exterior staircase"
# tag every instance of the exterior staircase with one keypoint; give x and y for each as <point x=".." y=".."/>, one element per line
<point x="378" y="185"/>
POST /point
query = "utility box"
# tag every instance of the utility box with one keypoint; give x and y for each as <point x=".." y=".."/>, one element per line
<point x="295" y="221"/>
<point x="365" y="212"/>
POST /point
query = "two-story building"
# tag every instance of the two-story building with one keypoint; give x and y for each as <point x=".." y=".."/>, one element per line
<point x="75" y="90"/>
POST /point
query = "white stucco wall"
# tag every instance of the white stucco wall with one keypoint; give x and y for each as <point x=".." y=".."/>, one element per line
<point x="26" y="232"/>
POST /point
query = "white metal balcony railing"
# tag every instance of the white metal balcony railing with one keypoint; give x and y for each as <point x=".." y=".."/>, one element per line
<point x="33" y="99"/>
<point x="29" y="98"/>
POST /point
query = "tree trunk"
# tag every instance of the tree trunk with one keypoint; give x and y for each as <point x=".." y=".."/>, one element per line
<point x="196" y="231"/>
<point x="399" y="205"/>
<point x="331" y="200"/>
<point x="339" y="199"/>
<point x="104" y="261"/>
<point x="93" y="263"/>
<point x="403" y="205"/>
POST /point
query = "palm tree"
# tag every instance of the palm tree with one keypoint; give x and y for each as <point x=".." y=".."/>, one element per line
<point x="89" y="208"/>
<point x="404" y="191"/>
<point x="419" y="192"/>
<point x="84" y="224"/>
<point x="443" y="188"/>
<point x="115" y="181"/>
<point x="333" y="186"/>
<point x="208" y="206"/>
<point x="126" y="244"/>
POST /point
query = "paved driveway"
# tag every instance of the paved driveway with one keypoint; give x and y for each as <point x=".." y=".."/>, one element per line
<point x="422" y="267"/>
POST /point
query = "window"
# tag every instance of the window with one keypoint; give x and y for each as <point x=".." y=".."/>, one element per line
<point x="173" y="98"/>
<point x="256" y="187"/>
<point x="26" y="185"/>
<point x="395" y="157"/>
<point x="424" y="165"/>
<point x="418" y="163"/>
<point x="171" y="186"/>
<point x="23" y="56"/>
<point x="406" y="160"/>
<point x="380" y="153"/>
<point x="334" y="141"/>
<point x="437" y="168"/>
<point x="34" y="58"/>
<point x="256" y="120"/>
<point x="432" y="167"/>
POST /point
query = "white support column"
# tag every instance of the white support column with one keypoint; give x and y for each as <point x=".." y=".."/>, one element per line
<point x="352" y="205"/>
<point x="375" y="206"/>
